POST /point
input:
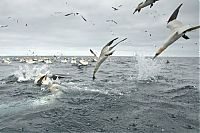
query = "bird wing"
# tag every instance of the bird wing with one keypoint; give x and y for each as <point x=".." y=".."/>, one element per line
<point x="93" y="53"/>
<point x="108" y="44"/>
<point x="68" y="14"/>
<point x="117" y="44"/>
<point x="174" y="14"/>
<point x="114" y="8"/>
<point x="39" y="82"/>
<point x="191" y="29"/>
<point x="114" y="22"/>
<point x="174" y="25"/>
<point x="83" y="18"/>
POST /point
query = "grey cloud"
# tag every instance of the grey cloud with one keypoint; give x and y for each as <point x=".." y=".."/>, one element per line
<point x="48" y="32"/>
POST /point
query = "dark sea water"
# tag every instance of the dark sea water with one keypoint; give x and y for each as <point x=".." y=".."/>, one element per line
<point x="130" y="94"/>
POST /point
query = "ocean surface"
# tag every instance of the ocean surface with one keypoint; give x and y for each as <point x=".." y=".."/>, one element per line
<point x="129" y="94"/>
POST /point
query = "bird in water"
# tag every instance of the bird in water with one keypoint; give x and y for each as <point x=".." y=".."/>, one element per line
<point x="106" y="51"/>
<point x="52" y="82"/>
<point x="144" y="4"/>
<point x="178" y="30"/>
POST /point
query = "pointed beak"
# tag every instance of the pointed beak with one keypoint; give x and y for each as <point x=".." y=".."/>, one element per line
<point x="155" y="56"/>
<point x="135" y="11"/>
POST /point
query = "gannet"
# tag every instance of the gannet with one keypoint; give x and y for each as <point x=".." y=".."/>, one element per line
<point x="105" y="53"/>
<point x="64" y="61"/>
<point x="177" y="30"/>
<point x="73" y="61"/>
<point x="95" y="58"/>
<point x="76" y="14"/>
<point x="111" y="21"/>
<point x="30" y="61"/>
<point x="4" y="26"/>
<point x="115" y="9"/>
<point x="22" y="60"/>
<point x="7" y="61"/>
<point x="48" y="61"/>
<point x="43" y="79"/>
<point x="83" y="62"/>
<point x="144" y="4"/>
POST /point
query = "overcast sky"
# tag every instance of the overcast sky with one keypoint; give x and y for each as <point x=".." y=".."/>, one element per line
<point x="49" y="32"/>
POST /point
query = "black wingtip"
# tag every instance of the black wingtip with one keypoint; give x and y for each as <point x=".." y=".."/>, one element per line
<point x="93" y="78"/>
<point x="175" y="13"/>
<point x="115" y="38"/>
<point x="180" y="5"/>
<point x="125" y="39"/>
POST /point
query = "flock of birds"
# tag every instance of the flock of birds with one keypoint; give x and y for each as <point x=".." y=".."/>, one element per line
<point x="178" y="30"/>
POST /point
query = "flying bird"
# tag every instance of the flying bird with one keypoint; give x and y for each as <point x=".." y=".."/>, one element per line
<point x="105" y="53"/>
<point x="76" y="14"/>
<point x="178" y="30"/>
<point x="4" y="26"/>
<point x="144" y="4"/>
<point x="111" y="21"/>
<point x="115" y="9"/>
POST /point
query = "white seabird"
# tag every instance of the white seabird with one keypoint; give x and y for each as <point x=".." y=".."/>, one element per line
<point x="64" y="61"/>
<point x="73" y="61"/>
<point x="144" y="4"/>
<point x="48" y="61"/>
<point x="177" y="30"/>
<point x="43" y="79"/>
<point x="105" y="53"/>
<point x="30" y="61"/>
<point x="6" y="61"/>
<point x="83" y="62"/>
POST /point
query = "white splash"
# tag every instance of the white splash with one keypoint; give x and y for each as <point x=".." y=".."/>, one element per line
<point x="147" y="68"/>
<point x="49" y="99"/>
<point x="29" y="72"/>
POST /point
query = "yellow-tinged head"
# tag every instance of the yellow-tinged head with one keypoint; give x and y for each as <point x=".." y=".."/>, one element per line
<point x="160" y="50"/>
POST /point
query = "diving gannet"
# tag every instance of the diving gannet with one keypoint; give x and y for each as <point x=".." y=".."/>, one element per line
<point x="144" y="4"/>
<point x="105" y="53"/>
<point x="177" y="30"/>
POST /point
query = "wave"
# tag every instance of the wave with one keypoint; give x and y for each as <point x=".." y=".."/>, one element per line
<point x="25" y="73"/>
